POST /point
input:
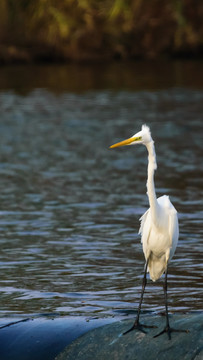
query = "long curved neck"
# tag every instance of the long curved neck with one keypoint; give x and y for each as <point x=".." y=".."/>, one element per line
<point x="152" y="166"/>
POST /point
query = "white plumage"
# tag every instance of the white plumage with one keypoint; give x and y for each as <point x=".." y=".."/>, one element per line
<point x="159" y="239"/>
<point x="159" y="224"/>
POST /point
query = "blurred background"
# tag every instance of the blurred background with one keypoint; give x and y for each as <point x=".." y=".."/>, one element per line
<point x="75" y="77"/>
<point x="99" y="29"/>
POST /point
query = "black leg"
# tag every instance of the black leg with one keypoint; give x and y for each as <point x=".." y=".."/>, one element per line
<point x="137" y="324"/>
<point x="167" y="328"/>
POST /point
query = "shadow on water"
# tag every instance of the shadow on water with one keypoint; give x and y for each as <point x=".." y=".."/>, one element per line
<point x="70" y="208"/>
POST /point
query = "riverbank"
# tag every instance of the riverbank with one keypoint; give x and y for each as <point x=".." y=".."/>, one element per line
<point x="14" y="54"/>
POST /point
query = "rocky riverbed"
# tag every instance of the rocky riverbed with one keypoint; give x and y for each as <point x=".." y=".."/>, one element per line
<point x="109" y="342"/>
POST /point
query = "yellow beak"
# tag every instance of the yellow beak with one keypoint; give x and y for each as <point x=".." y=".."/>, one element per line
<point x="126" y="142"/>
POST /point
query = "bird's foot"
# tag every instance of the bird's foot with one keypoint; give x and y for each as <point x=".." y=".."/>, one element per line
<point x="138" y="326"/>
<point x="169" y="330"/>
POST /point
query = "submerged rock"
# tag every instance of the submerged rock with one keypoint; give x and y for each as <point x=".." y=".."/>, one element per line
<point x="108" y="342"/>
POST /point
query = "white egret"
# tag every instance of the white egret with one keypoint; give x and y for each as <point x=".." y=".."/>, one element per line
<point x="159" y="228"/>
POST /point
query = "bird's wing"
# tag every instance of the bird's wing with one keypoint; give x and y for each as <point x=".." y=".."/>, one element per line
<point x="142" y="221"/>
<point x="173" y="230"/>
<point x="145" y="229"/>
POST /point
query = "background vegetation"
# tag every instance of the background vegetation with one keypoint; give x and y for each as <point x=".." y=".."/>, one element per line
<point x="99" y="29"/>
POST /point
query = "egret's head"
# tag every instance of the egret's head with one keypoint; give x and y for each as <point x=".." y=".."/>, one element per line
<point x="142" y="137"/>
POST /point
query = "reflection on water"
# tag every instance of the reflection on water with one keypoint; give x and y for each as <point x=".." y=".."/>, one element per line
<point x="116" y="76"/>
<point x="69" y="207"/>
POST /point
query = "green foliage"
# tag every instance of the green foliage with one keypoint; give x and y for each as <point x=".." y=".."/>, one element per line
<point x="124" y="28"/>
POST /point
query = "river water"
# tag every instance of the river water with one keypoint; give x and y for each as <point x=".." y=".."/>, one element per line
<point x="70" y="207"/>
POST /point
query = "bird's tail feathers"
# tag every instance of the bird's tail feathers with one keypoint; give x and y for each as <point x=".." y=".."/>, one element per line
<point x="156" y="266"/>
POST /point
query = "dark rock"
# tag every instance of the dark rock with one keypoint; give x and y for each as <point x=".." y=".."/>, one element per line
<point x="108" y="342"/>
<point x="42" y="337"/>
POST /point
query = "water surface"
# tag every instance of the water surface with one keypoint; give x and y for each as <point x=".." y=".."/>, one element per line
<point x="70" y="207"/>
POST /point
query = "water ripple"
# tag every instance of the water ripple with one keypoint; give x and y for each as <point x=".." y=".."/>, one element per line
<point x="70" y="208"/>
